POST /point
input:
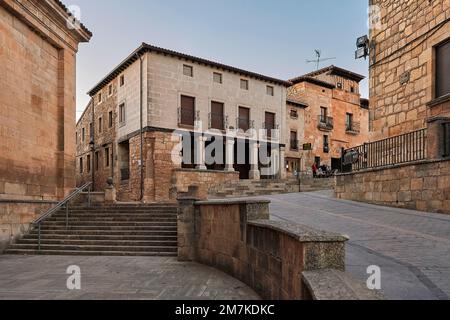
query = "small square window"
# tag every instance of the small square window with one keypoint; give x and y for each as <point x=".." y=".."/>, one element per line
<point x="122" y="80"/>
<point x="244" y="84"/>
<point x="352" y="89"/>
<point x="188" y="70"/>
<point x="217" y="77"/>
<point x="339" y="85"/>
<point x="270" y="91"/>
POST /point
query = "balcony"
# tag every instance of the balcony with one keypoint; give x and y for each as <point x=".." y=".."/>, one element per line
<point x="244" y="124"/>
<point x="272" y="131"/>
<point x="325" y="123"/>
<point x="218" y="121"/>
<point x="187" y="117"/>
<point x="353" y="128"/>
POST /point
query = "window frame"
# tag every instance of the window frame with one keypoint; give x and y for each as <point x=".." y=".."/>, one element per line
<point x="122" y="115"/>
<point x="437" y="88"/>
<point x="190" y="68"/>
<point x="247" y="84"/>
<point x="270" y="90"/>
<point x="218" y="74"/>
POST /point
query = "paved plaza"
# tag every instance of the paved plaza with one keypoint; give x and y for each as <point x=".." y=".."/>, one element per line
<point x="122" y="278"/>
<point x="411" y="248"/>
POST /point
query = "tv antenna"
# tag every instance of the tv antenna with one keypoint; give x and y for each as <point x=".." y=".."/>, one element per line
<point x="319" y="58"/>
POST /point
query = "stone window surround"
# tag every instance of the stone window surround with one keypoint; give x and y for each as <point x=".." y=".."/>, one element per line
<point x="218" y="74"/>
<point x="270" y="90"/>
<point x="124" y="119"/>
<point x="188" y="70"/>
<point x="122" y="80"/>
<point x="211" y="100"/>
<point x="246" y="82"/>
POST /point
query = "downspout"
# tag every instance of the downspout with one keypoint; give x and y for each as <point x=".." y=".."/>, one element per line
<point x="92" y="144"/>
<point x="141" y="116"/>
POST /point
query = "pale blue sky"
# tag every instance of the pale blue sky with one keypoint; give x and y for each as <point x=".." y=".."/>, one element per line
<point x="271" y="37"/>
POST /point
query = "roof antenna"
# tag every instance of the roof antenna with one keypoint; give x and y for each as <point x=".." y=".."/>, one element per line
<point x="319" y="59"/>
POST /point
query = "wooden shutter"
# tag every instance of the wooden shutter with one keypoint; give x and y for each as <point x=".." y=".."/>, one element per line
<point x="217" y="115"/>
<point x="244" y="118"/>
<point x="187" y="110"/>
<point x="270" y="120"/>
<point x="443" y="69"/>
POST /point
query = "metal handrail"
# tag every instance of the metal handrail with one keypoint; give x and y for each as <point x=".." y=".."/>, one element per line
<point x="62" y="204"/>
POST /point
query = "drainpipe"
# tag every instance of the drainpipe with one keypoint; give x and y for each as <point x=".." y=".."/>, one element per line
<point x="141" y="126"/>
<point x="92" y="144"/>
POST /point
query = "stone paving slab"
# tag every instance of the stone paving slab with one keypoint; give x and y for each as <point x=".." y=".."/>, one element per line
<point x="116" y="278"/>
<point x="411" y="247"/>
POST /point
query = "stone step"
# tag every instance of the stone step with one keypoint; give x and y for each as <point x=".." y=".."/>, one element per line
<point x="110" y="228"/>
<point x="94" y="232"/>
<point x="108" y="224"/>
<point x="84" y="242"/>
<point x="49" y="247"/>
<point x="89" y="253"/>
<point x="112" y="219"/>
<point x="123" y="211"/>
<point x="47" y="236"/>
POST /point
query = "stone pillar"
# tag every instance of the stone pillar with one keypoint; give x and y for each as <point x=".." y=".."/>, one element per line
<point x="229" y="154"/>
<point x="186" y="228"/>
<point x="435" y="137"/>
<point x="282" y="163"/>
<point x="199" y="146"/>
<point x="254" y="174"/>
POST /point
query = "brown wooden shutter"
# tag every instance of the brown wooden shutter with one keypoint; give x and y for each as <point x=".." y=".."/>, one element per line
<point x="443" y="69"/>
<point x="270" y="120"/>
<point x="244" y="118"/>
<point x="187" y="110"/>
<point x="217" y="115"/>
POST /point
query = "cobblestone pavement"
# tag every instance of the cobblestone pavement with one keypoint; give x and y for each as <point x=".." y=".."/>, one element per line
<point x="149" y="278"/>
<point x="412" y="248"/>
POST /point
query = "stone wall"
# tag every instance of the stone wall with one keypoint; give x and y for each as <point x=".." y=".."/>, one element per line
<point x="423" y="186"/>
<point x="269" y="256"/>
<point x="15" y="217"/>
<point x="205" y="180"/>
<point x="402" y="64"/>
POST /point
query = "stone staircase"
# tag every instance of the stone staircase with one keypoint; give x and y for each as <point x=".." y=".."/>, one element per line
<point x="250" y="188"/>
<point x="119" y="230"/>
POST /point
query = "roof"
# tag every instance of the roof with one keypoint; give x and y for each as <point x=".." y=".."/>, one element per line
<point x="296" y="103"/>
<point x="313" y="81"/>
<point x="144" y="48"/>
<point x="333" y="70"/>
<point x="63" y="6"/>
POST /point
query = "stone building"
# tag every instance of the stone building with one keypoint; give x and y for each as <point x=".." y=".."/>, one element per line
<point x="38" y="45"/>
<point x="160" y="100"/>
<point x="331" y="116"/>
<point x="409" y="68"/>
<point x="407" y="163"/>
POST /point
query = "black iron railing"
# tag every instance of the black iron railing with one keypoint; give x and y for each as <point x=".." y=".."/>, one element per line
<point x="326" y="123"/>
<point x="446" y="139"/>
<point x="405" y="148"/>
<point x="64" y="204"/>
<point x="353" y="128"/>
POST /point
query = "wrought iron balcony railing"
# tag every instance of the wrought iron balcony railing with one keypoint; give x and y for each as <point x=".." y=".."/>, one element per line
<point x="353" y="128"/>
<point x="326" y="123"/>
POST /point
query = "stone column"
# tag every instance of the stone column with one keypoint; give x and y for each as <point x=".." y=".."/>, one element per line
<point x="229" y="154"/>
<point x="200" y="152"/>
<point x="282" y="170"/>
<point x="254" y="174"/>
<point x="435" y="137"/>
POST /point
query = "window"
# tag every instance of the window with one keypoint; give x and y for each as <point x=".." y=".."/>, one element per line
<point x="122" y="80"/>
<point x="122" y="113"/>
<point x="244" y="84"/>
<point x="188" y="70"/>
<point x="187" y="111"/>
<point x="100" y="97"/>
<point x="110" y="119"/>
<point x="323" y="114"/>
<point x="217" y="77"/>
<point x="81" y="165"/>
<point x="326" y="144"/>
<point x="339" y="85"/>
<point x="442" y="69"/>
<point x="107" y="159"/>
<point x="216" y="117"/>
<point x="110" y="89"/>
<point x="100" y="124"/>
<point x="91" y="131"/>
<point x="294" y="114"/>
<point x="294" y="141"/>
<point x="269" y="123"/>
<point x="270" y="91"/>
<point x="446" y="140"/>
<point x="83" y="135"/>
<point x="244" y="118"/>
<point x="76" y="137"/>
<point x="88" y="163"/>
<point x="349" y="121"/>
<point x="352" y="89"/>
<point x="97" y="160"/>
